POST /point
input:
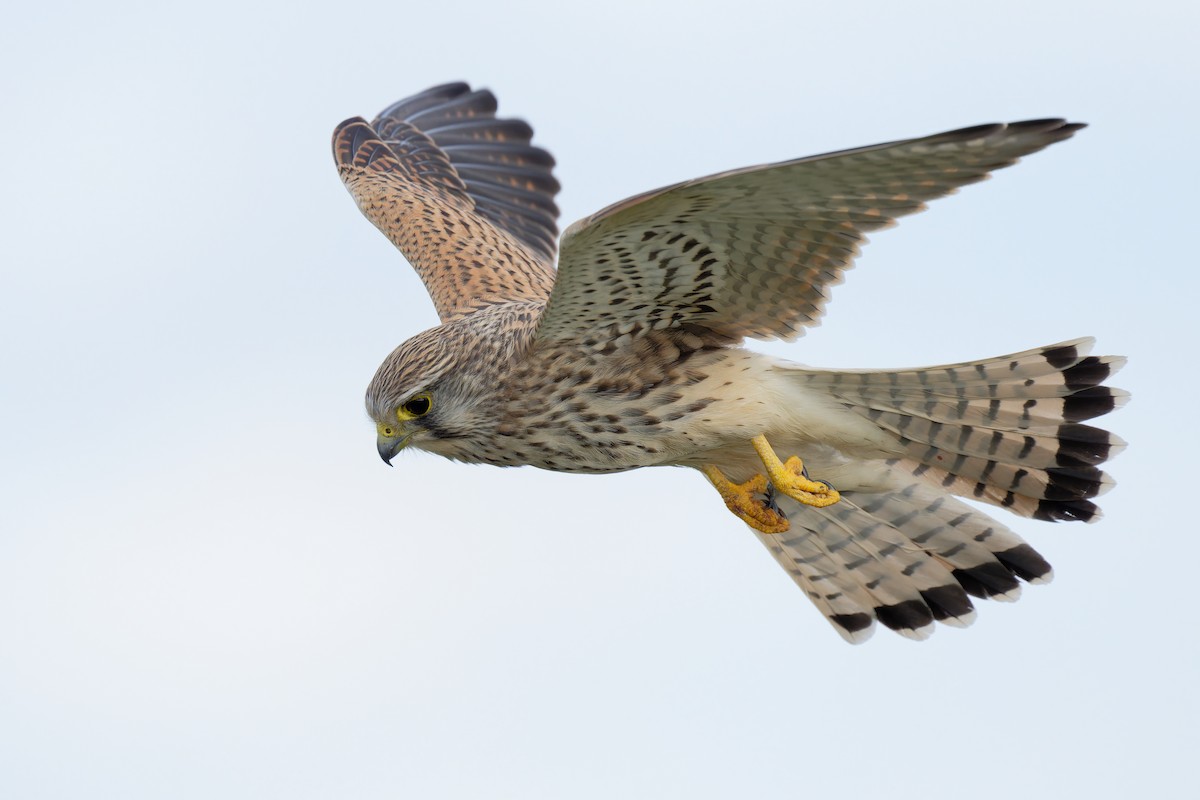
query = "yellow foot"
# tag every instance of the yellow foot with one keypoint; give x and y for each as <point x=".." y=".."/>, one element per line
<point x="742" y="500"/>
<point x="791" y="479"/>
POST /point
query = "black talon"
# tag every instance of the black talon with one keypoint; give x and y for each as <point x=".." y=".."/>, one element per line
<point x="804" y="472"/>
<point x="770" y="501"/>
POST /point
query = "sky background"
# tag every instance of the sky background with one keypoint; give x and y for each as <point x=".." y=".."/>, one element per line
<point x="210" y="586"/>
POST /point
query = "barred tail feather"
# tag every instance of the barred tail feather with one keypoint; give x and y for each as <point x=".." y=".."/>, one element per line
<point x="898" y="548"/>
<point x="906" y="559"/>
<point x="1007" y="430"/>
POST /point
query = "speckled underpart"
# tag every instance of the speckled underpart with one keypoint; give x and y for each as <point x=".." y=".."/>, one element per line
<point x="630" y="355"/>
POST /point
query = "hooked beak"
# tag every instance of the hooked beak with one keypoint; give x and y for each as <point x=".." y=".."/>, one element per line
<point x="388" y="446"/>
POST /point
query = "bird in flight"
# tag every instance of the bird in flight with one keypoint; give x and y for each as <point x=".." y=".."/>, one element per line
<point x="629" y="354"/>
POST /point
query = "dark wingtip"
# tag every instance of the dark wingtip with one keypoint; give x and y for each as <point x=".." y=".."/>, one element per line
<point x="1067" y="511"/>
<point x="1083" y="445"/>
<point x="1089" y="403"/>
<point x="948" y="602"/>
<point x="1026" y="563"/>
<point x="851" y="623"/>
<point x="990" y="579"/>
<point x="910" y="615"/>
<point x="345" y="137"/>
<point x="1062" y="357"/>
<point x="1089" y="372"/>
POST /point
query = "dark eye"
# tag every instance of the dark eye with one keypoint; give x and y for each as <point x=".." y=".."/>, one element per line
<point x="418" y="406"/>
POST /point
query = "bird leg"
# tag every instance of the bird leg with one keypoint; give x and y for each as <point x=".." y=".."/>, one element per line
<point x="792" y="479"/>
<point x="742" y="499"/>
<point x="746" y="499"/>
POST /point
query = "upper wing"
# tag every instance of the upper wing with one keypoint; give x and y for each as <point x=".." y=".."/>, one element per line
<point x="464" y="195"/>
<point x="753" y="252"/>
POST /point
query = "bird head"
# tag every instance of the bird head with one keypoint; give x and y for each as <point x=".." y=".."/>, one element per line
<point x="430" y="391"/>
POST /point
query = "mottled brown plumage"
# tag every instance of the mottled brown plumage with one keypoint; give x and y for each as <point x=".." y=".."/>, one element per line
<point x="629" y="355"/>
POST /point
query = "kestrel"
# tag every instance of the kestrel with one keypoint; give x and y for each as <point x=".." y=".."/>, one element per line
<point x="629" y="355"/>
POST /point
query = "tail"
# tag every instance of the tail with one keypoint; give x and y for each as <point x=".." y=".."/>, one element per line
<point x="1006" y="431"/>
<point x="907" y="558"/>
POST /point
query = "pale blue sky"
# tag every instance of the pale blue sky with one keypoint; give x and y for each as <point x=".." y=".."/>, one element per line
<point x="210" y="586"/>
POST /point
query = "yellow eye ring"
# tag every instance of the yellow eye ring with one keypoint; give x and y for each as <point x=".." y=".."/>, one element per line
<point x="416" y="406"/>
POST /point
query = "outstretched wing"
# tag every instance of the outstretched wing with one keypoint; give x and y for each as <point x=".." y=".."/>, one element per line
<point x="754" y="252"/>
<point x="464" y="195"/>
